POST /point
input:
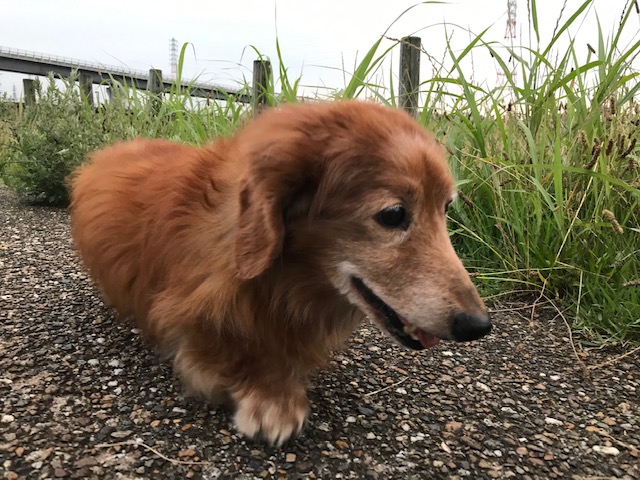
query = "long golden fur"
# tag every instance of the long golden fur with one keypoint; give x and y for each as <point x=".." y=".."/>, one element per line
<point x="252" y="258"/>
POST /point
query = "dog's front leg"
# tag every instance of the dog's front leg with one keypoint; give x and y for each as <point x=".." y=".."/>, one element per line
<point x="274" y="411"/>
<point x="266" y="387"/>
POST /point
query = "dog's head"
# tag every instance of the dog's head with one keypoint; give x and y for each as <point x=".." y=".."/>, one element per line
<point x="358" y="193"/>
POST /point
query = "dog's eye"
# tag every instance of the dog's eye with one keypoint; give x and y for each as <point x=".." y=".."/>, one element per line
<point x="395" y="216"/>
<point x="446" y="205"/>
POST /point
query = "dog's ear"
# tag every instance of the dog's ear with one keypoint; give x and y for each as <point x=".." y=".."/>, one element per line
<point x="260" y="229"/>
<point x="265" y="196"/>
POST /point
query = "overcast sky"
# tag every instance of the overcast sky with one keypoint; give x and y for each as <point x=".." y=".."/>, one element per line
<point x="317" y="38"/>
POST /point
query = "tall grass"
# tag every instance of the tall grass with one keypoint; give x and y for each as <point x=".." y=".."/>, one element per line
<point x="548" y="164"/>
<point x="550" y="191"/>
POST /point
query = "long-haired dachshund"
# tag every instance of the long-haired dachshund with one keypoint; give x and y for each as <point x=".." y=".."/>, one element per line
<point x="250" y="259"/>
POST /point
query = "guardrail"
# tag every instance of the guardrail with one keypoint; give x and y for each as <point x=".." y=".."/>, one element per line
<point x="35" y="63"/>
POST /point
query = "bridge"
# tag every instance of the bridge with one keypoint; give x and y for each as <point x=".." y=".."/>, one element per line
<point x="34" y="63"/>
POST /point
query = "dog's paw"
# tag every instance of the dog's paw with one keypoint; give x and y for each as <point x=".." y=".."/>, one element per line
<point x="274" y="418"/>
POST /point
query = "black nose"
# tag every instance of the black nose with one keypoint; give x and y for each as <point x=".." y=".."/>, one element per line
<point x="470" y="327"/>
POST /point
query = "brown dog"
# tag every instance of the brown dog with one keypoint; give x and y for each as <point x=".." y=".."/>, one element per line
<point x="251" y="259"/>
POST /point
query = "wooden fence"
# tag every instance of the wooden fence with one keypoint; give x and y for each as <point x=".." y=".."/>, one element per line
<point x="410" y="51"/>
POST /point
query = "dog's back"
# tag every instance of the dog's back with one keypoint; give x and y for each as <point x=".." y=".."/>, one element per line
<point x="126" y="215"/>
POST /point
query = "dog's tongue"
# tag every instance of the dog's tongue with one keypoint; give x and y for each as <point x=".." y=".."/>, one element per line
<point x="427" y="340"/>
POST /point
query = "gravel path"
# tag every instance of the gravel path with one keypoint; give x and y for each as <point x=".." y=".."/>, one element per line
<point x="82" y="397"/>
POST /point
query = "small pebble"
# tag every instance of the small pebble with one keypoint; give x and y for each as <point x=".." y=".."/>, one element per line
<point x="553" y="421"/>
<point x="606" y="450"/>
<point x="483" y="387"/>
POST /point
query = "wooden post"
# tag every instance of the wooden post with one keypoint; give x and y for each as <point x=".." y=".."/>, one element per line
<point x="86" y="87"/>
<point x="155" y="86"/>
<point x="409" y="74"/>
<point x="29" y="91"/>
<point x="261" y="77"/>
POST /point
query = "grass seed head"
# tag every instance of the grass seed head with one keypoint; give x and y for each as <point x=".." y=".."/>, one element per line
<point x="595" y="153"/>
<point x="630" y="148"/>
<point x="612" y="106"/>
<point x="611" y="218"/>
<point x="467" y="201"/>
<point x="582" y="138"/>
<point x="609" y="147"/>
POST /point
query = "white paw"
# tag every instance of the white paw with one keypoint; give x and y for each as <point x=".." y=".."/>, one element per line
<point x="275" y="419"/>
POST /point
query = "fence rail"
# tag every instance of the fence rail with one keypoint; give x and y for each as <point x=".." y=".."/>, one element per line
<point x="68" y="62"/>
<point x="34" y="63"/>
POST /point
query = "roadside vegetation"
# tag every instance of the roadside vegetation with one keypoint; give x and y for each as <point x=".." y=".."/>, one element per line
<point x="548" y="164"/>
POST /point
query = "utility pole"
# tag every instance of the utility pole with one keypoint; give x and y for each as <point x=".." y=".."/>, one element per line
<point x="510" y="34"/>
<point x="173" y="57"/>
<point x="512" y="22"/>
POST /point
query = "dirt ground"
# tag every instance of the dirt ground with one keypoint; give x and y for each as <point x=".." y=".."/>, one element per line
<point x="82" y="397"/>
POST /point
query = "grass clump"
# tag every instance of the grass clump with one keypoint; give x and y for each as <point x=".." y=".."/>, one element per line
<point x="551" y="181"/>
<point x="49" y="140"/>
<point x="44" y="143"/>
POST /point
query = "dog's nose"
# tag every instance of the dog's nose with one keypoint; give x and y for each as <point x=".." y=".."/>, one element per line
<point x="468" y="327"/>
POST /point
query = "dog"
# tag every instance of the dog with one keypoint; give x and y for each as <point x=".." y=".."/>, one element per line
<point x="249" y="260"/>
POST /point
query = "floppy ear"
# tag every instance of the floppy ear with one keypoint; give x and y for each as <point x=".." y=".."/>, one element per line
<point x="273" y="190"/>
<point x="284" y="156"/>
<point x="261" y="226"/>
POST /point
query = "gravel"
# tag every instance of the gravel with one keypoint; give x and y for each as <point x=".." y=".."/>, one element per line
<point x="82" y="397"/>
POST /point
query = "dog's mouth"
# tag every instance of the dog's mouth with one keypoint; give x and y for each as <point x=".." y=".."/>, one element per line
<point x="399" y="328"/>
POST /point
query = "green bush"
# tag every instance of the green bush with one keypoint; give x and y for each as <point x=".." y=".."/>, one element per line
<point x="50" y="139"/>
<point x="8" y="120"/>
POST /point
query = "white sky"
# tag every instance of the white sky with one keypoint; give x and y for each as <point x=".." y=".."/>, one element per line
<point x="315" y="37"/>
